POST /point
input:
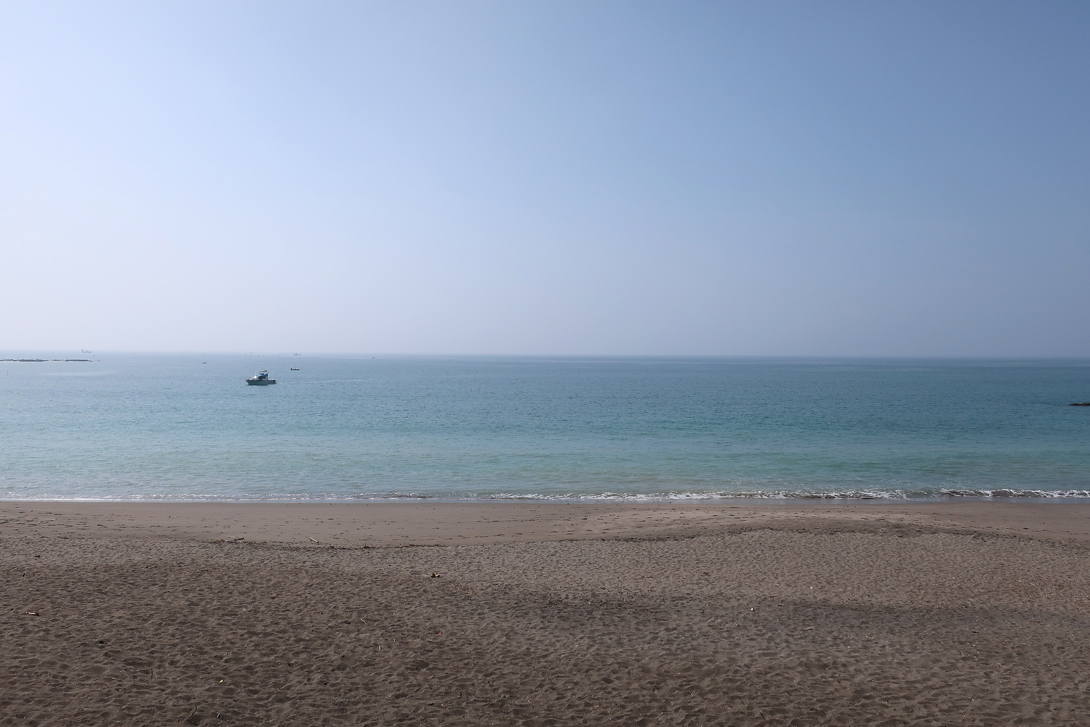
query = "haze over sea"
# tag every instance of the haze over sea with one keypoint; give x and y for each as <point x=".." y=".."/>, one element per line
<point x="187" y="427"/>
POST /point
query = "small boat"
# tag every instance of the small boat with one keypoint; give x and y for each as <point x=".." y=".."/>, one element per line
<point x="262" y="379"/>
<point x="295" y="369"/>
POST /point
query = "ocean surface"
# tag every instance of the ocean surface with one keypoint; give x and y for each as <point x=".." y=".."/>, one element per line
<point x="187" y="427"/>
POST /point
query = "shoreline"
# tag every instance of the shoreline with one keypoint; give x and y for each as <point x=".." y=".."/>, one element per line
<point x="462" y="523"/>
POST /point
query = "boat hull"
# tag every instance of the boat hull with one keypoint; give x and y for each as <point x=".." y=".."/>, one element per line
<point x="260" y="382"/>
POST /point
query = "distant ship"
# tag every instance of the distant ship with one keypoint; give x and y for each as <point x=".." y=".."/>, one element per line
<point x="294" y="369"/>
<point x="262" y="379"/>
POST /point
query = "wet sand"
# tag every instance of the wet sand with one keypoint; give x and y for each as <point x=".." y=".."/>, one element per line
<point x="961" y="613"/>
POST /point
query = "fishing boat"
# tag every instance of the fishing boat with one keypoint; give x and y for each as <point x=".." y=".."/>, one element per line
<point x="261" y="379"/>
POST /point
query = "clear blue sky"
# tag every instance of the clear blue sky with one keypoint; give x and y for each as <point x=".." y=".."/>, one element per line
<point x="760" y="178"/>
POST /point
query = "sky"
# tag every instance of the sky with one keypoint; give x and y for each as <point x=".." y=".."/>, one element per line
<point x="546" y="178"/>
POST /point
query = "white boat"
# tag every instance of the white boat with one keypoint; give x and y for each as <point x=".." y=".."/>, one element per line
<point x="262" y="379"/>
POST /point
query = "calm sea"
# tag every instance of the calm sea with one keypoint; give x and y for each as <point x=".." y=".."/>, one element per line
<point x="184" y="427"/>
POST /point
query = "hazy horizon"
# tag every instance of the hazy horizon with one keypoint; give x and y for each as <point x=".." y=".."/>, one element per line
<point x="795" y="179"/>
<point x="805" y="358"/>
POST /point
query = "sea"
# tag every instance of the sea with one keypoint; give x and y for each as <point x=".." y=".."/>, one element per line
<point x="186" y="427"/>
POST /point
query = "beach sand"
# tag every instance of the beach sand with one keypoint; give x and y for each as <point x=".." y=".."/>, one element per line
<point x="966" y="613"/>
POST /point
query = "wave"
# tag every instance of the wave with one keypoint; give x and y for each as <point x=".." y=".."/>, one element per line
<point x="603" y="497"/>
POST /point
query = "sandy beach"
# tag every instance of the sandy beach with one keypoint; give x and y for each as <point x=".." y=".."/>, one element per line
<point x="953" y="613"/>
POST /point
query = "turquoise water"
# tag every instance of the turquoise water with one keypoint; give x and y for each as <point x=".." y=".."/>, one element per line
<point x="171" y="427"/>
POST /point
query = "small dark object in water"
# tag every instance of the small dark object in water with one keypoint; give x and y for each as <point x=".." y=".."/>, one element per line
<point x="1085" y="403"/>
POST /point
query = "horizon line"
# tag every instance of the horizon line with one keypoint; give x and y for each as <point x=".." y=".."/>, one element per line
<point x="372" y="354"/>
